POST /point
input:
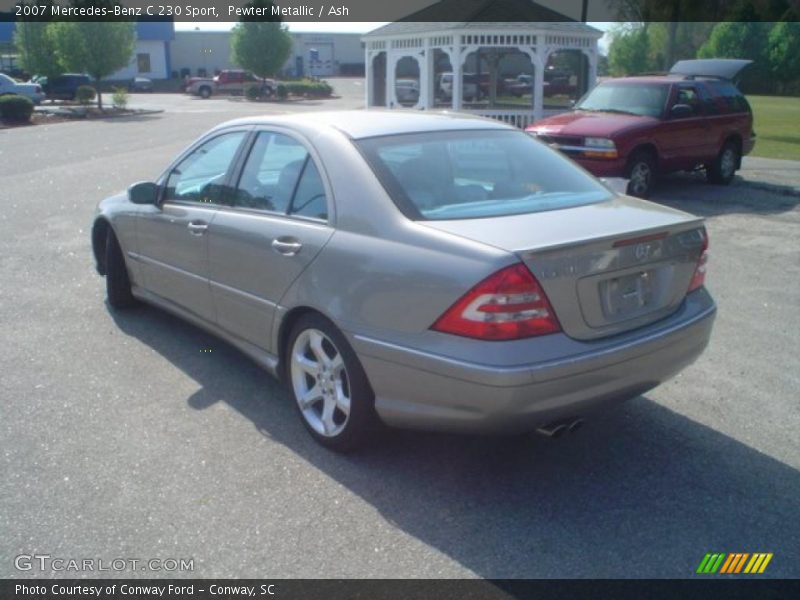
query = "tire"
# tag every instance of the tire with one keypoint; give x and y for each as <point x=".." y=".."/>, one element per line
<point x="641" y="173"/>
<point x="204" y="92"/>
<point x="331" y="391"/>
<point x="118" y="284"/>
<point x="723" y="169"/>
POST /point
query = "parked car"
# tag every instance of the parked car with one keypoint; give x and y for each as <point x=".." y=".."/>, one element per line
<point x="430" y="271"/>
<point x="230" y="81"/>
<point x="518" y="86"/>
<point x="16" y="73"/>
<point x="640" y="127"/>
<point x="470" y="89"/>
<point x="63" y="87"/>
<point x="141" y="84"/>
<point x="407" y="91"/>
<point x="32" y="91"/>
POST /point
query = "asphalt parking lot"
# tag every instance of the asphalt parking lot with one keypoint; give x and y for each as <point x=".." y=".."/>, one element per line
<point x="121" y="439"/>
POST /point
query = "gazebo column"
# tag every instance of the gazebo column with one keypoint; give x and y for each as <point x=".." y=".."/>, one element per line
<point x="591" y="79"/>
<point x="537" y="93"/>
<point x="391" y="77"/>
<point x="369" y="83"/>
<point x="427" y="84"/>
<point x="456" y="61"/>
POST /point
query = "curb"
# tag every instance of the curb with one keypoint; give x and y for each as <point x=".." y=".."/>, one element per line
<point x="76" y="115"/>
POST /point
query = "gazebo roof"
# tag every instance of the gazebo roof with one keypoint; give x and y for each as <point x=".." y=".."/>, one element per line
<point x="477" y="14"/>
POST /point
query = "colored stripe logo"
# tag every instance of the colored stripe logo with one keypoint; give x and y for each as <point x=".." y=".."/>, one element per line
<point x="734" y="562"/>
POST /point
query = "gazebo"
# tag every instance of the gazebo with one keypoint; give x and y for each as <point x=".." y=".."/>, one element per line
<point x="486" y="67"/>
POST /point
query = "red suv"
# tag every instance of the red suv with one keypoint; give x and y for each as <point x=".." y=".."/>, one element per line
<point x="639" y="127"/>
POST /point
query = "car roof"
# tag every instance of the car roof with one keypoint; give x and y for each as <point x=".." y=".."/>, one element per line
<point x="358" y="124"/>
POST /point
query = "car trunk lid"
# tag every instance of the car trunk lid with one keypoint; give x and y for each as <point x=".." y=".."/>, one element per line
<point x="607" y="267"/>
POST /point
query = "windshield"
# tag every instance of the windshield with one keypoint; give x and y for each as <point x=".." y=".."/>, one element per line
<point x="644" y="99"/>
<point x="477" y="174"/>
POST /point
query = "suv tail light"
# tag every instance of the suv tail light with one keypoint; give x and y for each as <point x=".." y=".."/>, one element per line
<point x="508" y="305"/>
<point x="699" y="277"/>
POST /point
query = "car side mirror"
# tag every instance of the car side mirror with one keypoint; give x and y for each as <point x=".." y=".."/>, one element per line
<point x="681" y="111"/>
<point x="144" y="192"/>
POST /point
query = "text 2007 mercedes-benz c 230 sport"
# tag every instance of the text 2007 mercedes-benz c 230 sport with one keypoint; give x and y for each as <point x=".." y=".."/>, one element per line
<point x="431" y="271"/>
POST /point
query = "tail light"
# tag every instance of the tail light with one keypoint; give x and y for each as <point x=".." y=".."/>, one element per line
<point x="508" y="305"/>
<point x="699" y="277"/>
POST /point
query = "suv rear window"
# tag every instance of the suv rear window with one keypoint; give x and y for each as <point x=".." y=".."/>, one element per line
<point x="476" y="174"/>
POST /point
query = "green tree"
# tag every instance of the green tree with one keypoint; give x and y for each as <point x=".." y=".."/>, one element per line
<point x="260" y="46"/>
<point x="783" y="52"/>
<point x="34" y="43"/>
<point x="689" y="36"/>
<point x="96" y="48"/>
<point x="628" y="53"/>
<point x="742" y="39"/>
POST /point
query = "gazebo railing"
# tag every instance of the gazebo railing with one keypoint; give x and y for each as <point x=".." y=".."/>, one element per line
<point x="517" y="118"/>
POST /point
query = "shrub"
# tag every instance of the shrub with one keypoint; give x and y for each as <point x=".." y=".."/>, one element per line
<point x="85" y="94"/>
<point x="282" y="92"/>
<point x="119" y="99"/>
<point x="16" y="108"/>
<point x="309" y="88"/>
<point x="252" y="92"/>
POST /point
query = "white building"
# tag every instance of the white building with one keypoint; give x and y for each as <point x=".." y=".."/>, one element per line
<point x="315" y="54"/>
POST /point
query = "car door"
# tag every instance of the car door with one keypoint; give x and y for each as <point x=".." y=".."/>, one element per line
<point x="275" y="226"/>
<point x="173" y="245"/>
<point x="685" y="139"/>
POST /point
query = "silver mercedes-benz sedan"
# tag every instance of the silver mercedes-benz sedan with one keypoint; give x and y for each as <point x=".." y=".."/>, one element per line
<point x="428" y="271"/>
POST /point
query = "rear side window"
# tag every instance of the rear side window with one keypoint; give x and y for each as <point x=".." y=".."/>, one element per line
<point x="729" y="98"/>
<point x="281" y="177"/>
<point x="477" y="174"/>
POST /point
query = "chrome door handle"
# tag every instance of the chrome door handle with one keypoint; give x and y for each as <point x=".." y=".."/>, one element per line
<point x="286" y="246"/>
<point x="197" y="227"/>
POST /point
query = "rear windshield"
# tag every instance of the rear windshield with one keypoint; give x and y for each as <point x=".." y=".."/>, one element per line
<point x="477" y="174"/>
<point x="644" y="99"/>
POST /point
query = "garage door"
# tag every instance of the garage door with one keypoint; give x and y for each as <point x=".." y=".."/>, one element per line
<point x="320" y="59"/>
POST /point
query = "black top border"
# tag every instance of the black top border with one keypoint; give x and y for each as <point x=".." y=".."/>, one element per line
<point x="431" y="11"/>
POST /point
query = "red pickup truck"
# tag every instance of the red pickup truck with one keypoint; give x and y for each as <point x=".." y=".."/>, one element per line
<point x="231" y="81"/>
<point x="640" y="127"/>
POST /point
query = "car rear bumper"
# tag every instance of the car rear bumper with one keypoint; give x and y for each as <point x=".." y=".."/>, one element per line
<point x="420" y="390"/>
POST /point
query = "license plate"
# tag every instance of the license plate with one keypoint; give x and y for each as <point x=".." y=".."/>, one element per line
<point x="628" y="294"/>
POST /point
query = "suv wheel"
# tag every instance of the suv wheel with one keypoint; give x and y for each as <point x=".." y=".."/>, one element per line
<point x="205" y="92"/>
<point x="641" y="174"/>
<point x="722" y="170"/>
<point x="330" y="388"/>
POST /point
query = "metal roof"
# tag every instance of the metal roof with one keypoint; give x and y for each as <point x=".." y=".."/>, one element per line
<point x="449" y="15"/>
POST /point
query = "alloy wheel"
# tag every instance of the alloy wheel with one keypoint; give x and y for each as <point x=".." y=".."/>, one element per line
<point x="727" y="163"/>
<point x="320" y="382"/>
<point x="640" y="178"/>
